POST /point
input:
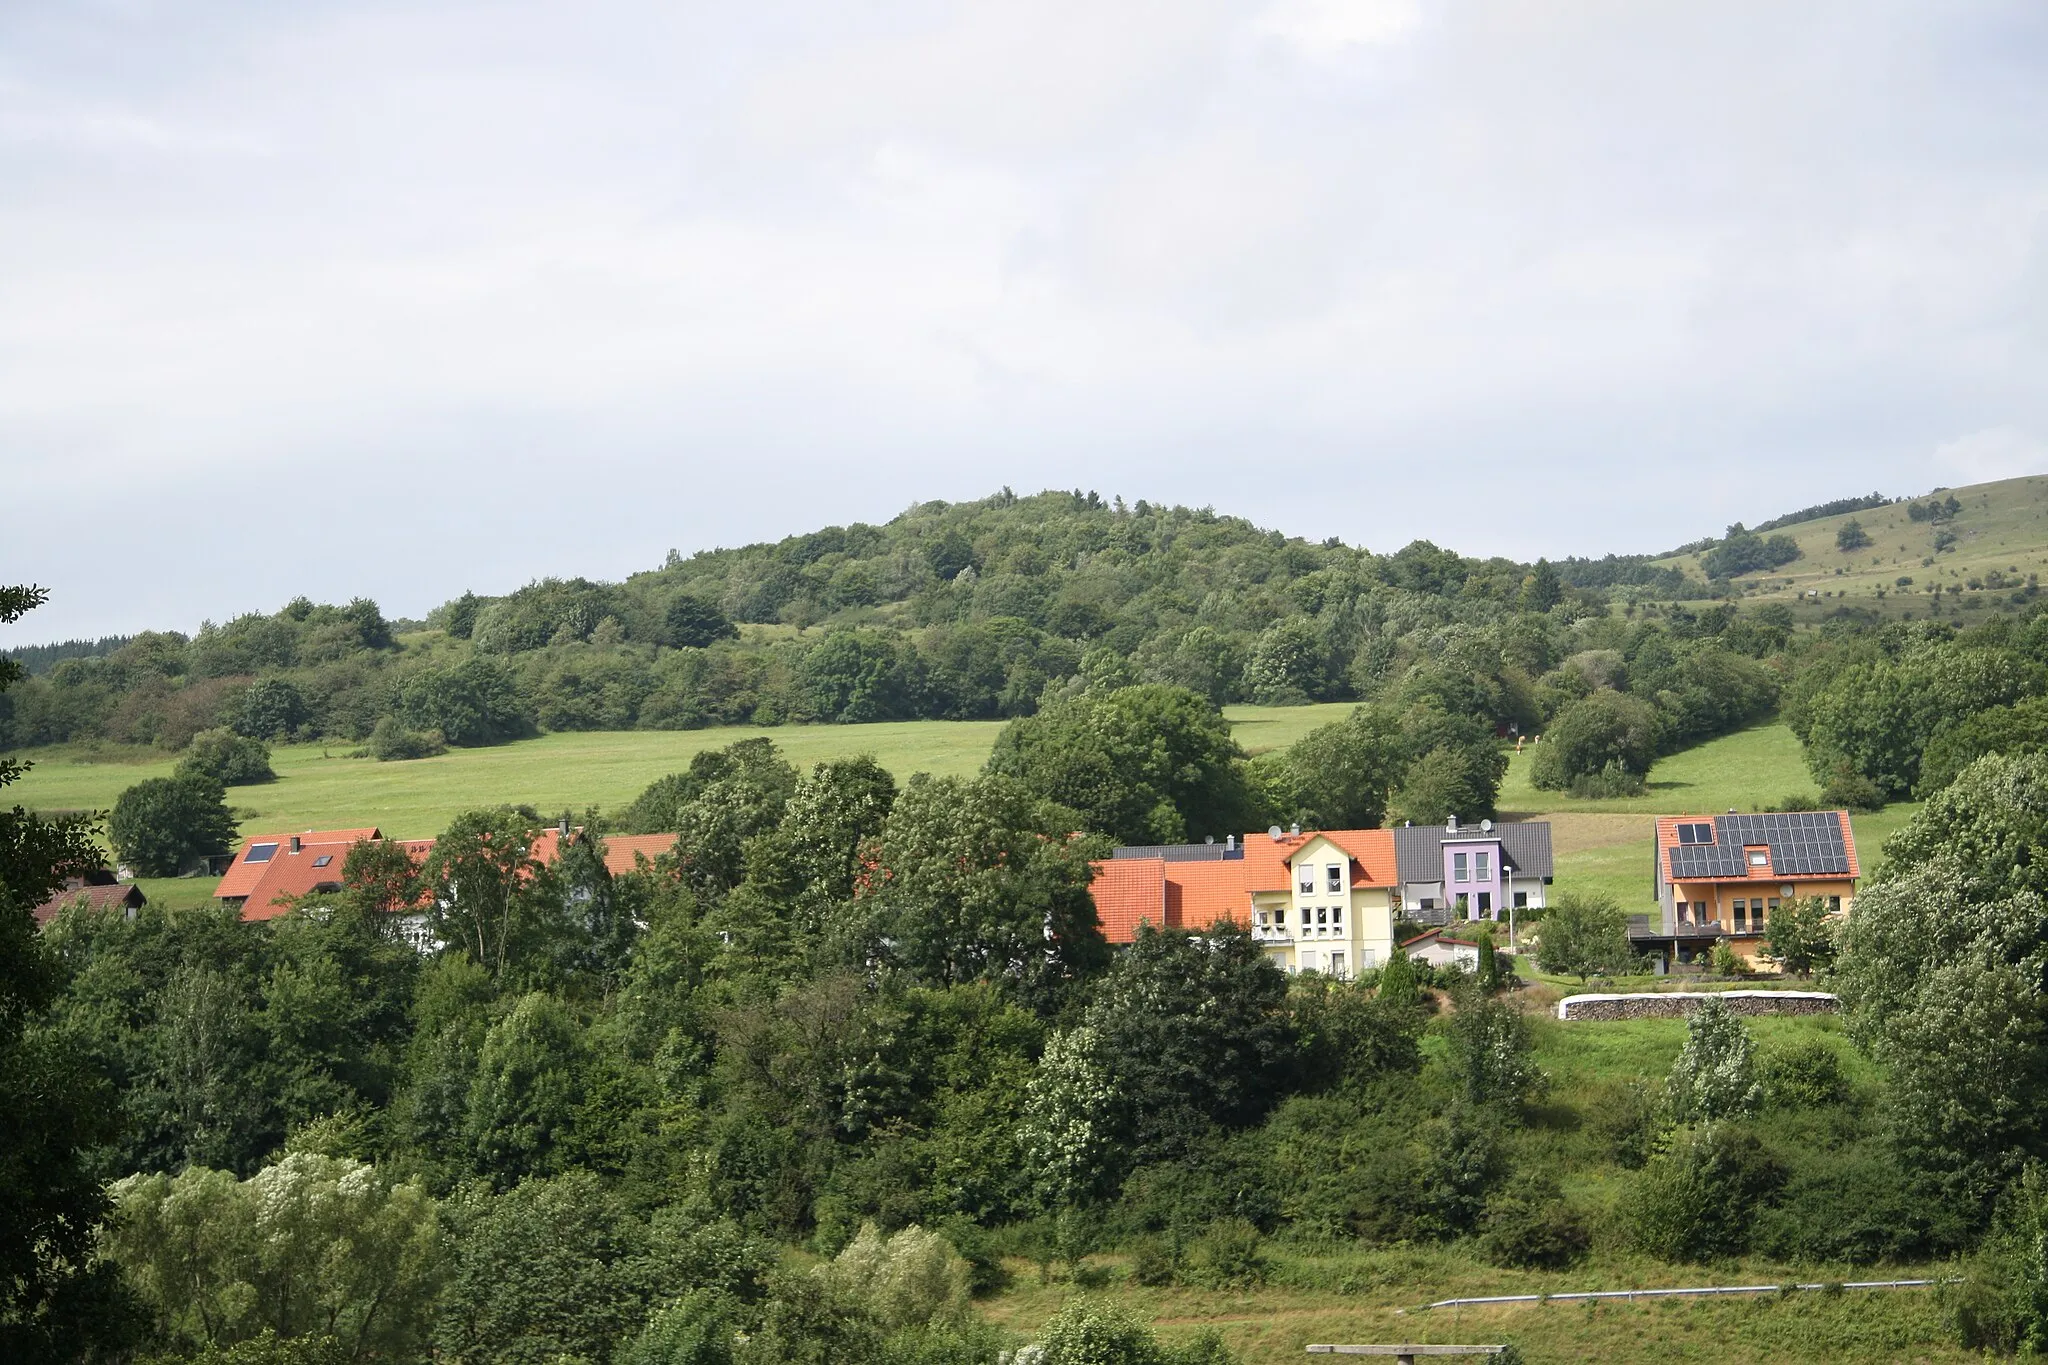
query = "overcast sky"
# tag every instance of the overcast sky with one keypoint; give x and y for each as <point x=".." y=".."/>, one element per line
<point x="400" y="299"/>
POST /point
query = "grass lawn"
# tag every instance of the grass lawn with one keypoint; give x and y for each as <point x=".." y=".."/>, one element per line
<point x="1753" y="769"/>
<point x="320" y="787"/>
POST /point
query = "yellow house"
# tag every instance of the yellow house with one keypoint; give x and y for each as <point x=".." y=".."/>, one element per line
<point x="1317" y="902"/>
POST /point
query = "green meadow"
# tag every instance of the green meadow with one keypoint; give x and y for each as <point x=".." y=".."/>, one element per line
<point x="319" y="786"/>
<point x="1602" y="846"/>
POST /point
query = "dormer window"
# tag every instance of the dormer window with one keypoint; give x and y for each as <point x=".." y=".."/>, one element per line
<point x="1335" y="872"/>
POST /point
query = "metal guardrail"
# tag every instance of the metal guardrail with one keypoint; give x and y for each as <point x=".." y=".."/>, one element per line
<point x="1705" y="1292"/>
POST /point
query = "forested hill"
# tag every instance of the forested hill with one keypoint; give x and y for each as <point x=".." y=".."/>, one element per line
<point x="981" y="610"/>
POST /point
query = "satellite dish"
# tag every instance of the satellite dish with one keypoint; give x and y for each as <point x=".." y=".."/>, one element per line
<point x="1273" y="833"/>
<point x="1486" y="826"/>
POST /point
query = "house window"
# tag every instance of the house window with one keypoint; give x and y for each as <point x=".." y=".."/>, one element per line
<point x="259" y="853"/>
<point x="1521" y="900"/>
<point x="1699" y="911"/>
<point x="1337" y="964"/>
<point x="1462" y="899"/>
<point x="1695" y="834"/>
<point x="1304" y="917"/>
<point x="1335" y="873"/>
<point x="323" y="860"/>
<point x="1426" y="903"/>
<point x="1459" y="869"/>
<point x="1337" y="916"/>
<point x="1834" y="904"/>
<point x="1759" y="857"/>
<point x="1684" y="913"/>
<point x="1482" y="867"/>
<point x="1486" y="902"/>
<point x="1308" y="879"/>
<point x="1322" y="916"/>
<point x="1773" y="904"/>
<point x="1741" y="915"/>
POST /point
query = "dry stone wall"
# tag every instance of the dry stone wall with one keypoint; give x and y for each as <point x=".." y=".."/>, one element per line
<point x="1678" y="1004"/>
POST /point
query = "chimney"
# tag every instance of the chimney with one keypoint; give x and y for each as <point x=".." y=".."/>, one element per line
<point x="1229" y="843"/>
<point x="296" y="845"/>
<point x="565" y="824"/>
<point x="1452" y="825"/>
<point x="1295" y="828"/>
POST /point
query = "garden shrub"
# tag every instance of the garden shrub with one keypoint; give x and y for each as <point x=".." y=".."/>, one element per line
<point x="1804" y="1075"/>
<point x="1694" y="1203"/>
<point x="1228" y="1256"/>
<point x="1532" y="1228"/>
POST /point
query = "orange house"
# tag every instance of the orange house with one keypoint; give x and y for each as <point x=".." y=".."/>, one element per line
<point x="1722" y="877"/>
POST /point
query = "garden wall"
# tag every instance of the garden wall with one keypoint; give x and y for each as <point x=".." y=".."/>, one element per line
<point x="1678" y="1004"/>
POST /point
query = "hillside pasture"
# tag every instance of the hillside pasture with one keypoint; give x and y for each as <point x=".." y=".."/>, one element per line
<point x="2001" y="526"/>
<point x="320" y="787"/>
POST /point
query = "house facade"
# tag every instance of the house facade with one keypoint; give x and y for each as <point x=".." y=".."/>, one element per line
<point x="1316" y="902"/>
<point x="1457" y="871"/>
<point x="1722" y="877"/>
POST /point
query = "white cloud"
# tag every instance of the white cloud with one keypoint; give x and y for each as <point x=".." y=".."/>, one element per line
<point x="1995" y="453"/>
<point x="1324" y="27"/>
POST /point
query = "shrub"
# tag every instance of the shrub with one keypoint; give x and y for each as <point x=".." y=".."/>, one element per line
<point x="1849" y="788"/>
<point x="1612" y="780"/>
<point x="1089" y="1333"/>
<point x="1155" y="1261"/>
<point x="1726" y="961"/>
<point x="1806" y="1075"/>
<point x="1228" y="1256"/>
<point x="1694" y="1202"/>
<point x="1604" y="729"/>
<point x="1585" y="936"/>
<point x="1533" y="1229"/>
<point x="907" y="1279"/>
<point x="1715" y="1074"/>
<point x="228" y="758"/>
<point x="391" y="742"/>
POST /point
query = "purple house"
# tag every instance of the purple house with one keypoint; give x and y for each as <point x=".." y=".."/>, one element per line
<point x="1469" y="872"/>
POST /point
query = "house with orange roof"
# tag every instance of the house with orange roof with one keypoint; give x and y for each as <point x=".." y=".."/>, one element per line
<point x="271" y="869"/>
<point x="271" y="872"/>
<point x="1722" y="877"/>
<point x="1321" y="901"/>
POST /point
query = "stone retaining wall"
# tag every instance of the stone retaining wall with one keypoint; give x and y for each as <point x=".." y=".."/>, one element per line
<point x="1678" y="1004"/>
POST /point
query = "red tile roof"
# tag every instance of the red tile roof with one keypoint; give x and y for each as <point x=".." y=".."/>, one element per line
<point x="92" y="897"/>
<point x="1129" y="892"/>
<point x="621" y="851"/>
<point x="242" y="875"/>
<point x="1195" y="894"/>
<point x="288" y="876"/>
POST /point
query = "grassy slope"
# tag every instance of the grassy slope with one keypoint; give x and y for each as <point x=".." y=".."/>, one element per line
<point x="318" y="787"/>
<point x="1376" y="1296"/>
<point x="1604" y="847"/>
<point x="2001" y="526"/>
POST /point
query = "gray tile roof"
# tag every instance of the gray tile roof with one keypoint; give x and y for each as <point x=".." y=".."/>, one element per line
<point x="1180" y="853"/>
<point x="1418" y="849"/>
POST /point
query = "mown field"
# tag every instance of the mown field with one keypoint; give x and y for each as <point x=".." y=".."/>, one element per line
<point x="1379" y="1295"/>
<point x="1602" y="846"/>
<point x="2001" y="526"/>
<point x="320" y="787"/>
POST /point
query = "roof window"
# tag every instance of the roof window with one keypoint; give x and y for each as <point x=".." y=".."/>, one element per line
<point x="323" y="860"/>
<point x="259" y="853"/>
<point x="1696" y="834"/>
<point x="1759" y="857"/>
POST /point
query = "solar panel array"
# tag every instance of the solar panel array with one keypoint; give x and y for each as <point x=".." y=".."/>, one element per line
<point x="1802" y="844"/>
